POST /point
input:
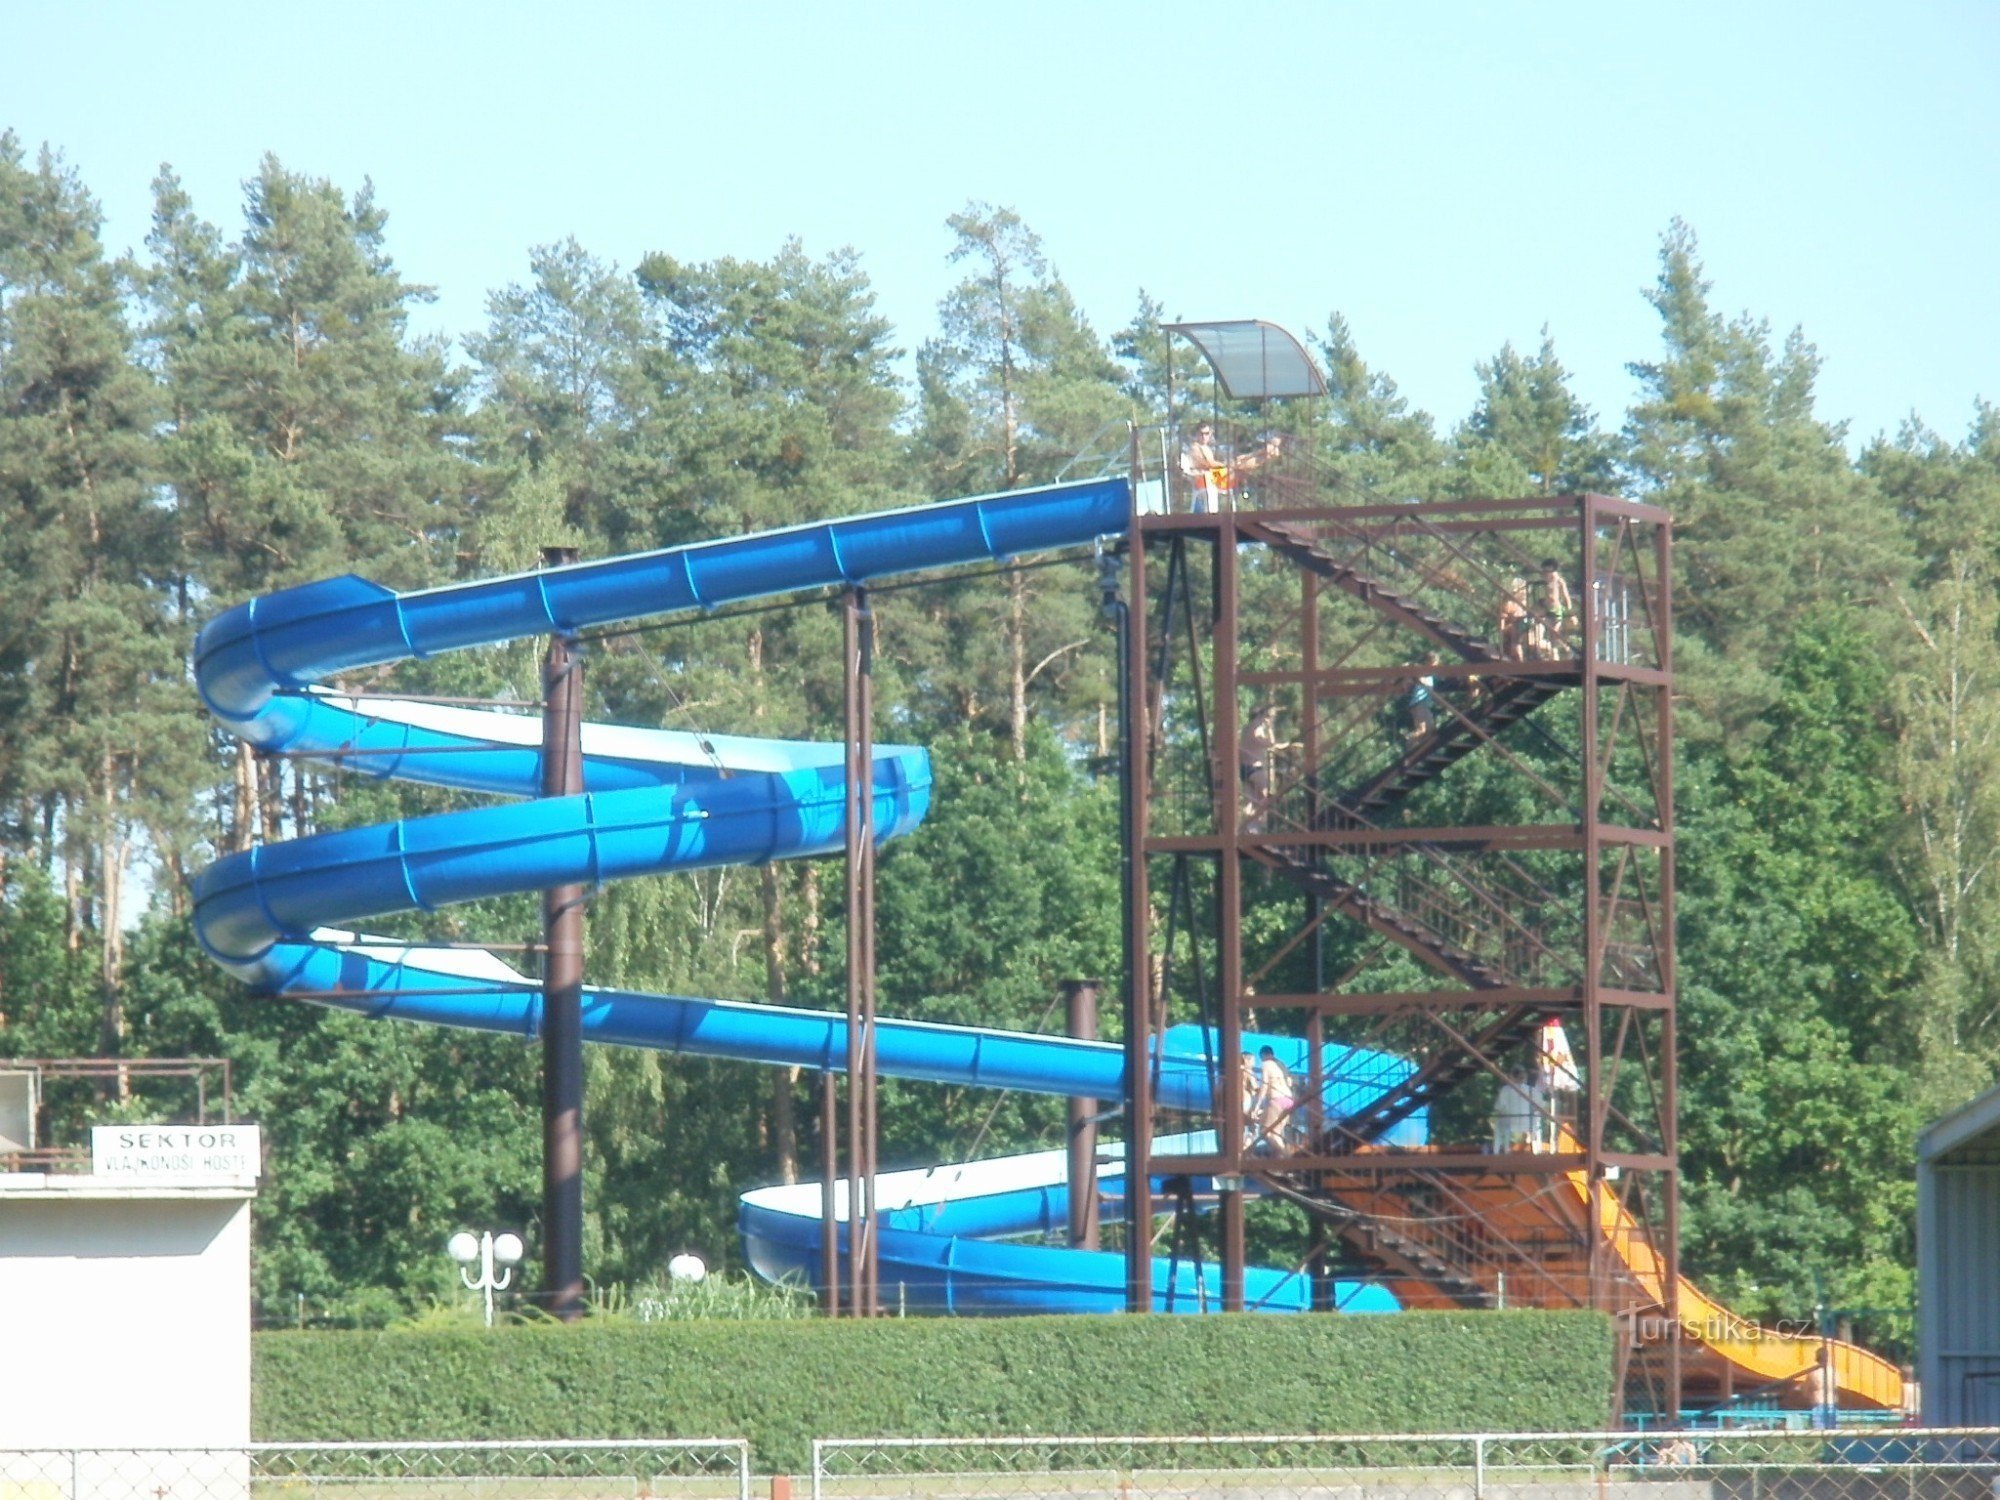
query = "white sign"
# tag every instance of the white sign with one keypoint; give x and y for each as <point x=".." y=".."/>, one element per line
<point x="176" y="1153"/>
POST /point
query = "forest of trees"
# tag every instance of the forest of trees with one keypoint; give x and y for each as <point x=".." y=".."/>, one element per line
<point x="242" y="407"/>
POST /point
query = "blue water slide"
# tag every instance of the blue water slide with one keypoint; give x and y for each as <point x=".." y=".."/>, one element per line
<point x="940" y="1245"/>
<point x="279" y="916"/>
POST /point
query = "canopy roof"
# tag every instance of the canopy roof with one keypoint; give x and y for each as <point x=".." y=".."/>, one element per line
<point x="1254" y="360"/>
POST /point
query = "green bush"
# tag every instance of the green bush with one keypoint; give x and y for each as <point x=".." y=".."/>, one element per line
<point x="783" y="1383"/>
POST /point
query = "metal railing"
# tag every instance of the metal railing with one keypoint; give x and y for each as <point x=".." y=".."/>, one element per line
<point x="615" y="1469"/>
<point x="1709" y="1464"/>
<point x="1907" y="1464"/>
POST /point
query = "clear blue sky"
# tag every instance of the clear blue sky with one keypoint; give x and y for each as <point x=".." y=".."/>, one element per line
<point x="1448" y="177"/>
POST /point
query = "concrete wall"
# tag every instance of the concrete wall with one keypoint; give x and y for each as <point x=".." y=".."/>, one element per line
<point x="126" y="1314"/>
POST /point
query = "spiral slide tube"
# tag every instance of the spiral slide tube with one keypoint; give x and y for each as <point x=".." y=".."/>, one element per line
<point x="277" y="916"/>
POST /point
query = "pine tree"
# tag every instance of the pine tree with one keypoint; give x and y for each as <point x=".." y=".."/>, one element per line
<point x="1529" y="434"/>
<point x="1372" y="444"/>
<point x="1014" y="386"/>
<point x="1771" y="519"/>
<point x="316" y="436"/>
<point x="558" y="375"/>
<point x="90" y="656"/>
<point x="1948" y="494"/>
<point x="309" y="436"/>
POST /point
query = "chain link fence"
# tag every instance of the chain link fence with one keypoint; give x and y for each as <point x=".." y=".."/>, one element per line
<point x="1889" y="1464"/>
<point x="665" y="1469"/>
<point x="1902" y="1464"/>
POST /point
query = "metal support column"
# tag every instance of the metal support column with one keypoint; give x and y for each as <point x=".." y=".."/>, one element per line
<point x="1596" y="1099"/>
<point x="829" y="1193"/>
<point x="863" y="1298"/>
<point x="562" y="990"/>
<point x="1669" y="1063"/>
<point x="1133" y="740"/>
<point x="1231" y="1128"/>
<point x="1080" y="997"/>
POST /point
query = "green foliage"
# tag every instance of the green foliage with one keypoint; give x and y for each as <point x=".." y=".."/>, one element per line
<point x="738" y="1297"/>
<point x="1009" y="889"/>
<point x="1015" y="385"/>
<point x="243" y="409"/>
<point x="1528" y="435"/>
<point x="781" y="1384"/>
<point x="1797" y="963"/>
<point x="1948" y="770"/>
<point x="1771" y="519"/>
<point x="1372" y="442"/>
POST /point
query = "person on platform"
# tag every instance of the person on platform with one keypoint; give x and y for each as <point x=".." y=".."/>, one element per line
<point x="1558" y="609"/>
<point x="1516" y="625"/>
<point x="1556" y="1084"/>
<point x="1206" y="470"/>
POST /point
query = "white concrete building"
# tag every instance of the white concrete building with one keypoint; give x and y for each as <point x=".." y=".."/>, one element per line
<point x="125" y="1296"/>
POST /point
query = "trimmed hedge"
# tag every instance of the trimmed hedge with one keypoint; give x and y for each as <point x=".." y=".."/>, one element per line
<point x="783" y="1383"/>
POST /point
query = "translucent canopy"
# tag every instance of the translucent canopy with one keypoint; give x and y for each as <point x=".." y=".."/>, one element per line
<point x="1254" y="360"/>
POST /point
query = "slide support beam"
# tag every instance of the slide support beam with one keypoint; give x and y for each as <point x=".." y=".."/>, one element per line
<point x="562" y="990"/>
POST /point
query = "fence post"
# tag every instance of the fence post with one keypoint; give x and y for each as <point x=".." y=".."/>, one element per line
<point x="819" y="1466"/>
<point x="1479" y="1468"/>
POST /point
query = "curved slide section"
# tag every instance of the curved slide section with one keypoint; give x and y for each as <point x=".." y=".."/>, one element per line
<point x="1766" y="1357"/>
<point x="278" y="916"/>
<point x="937" y="1250"/>
<point x="651" y="802"/>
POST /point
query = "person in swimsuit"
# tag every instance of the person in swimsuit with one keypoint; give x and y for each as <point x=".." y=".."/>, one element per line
<point x="1516" y="625"/>
<point x="1254" y="749"/>
<point x="1274" y="1101"/>
<point x="1558" y="609"/>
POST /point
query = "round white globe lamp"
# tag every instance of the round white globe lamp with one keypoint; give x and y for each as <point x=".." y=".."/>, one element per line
<point x="686" y="1269"/>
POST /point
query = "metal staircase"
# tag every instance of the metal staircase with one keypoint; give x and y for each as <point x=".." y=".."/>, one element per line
<point x="1297" y="542"/>
<point x="1410" y="1247"/>
<point x="1460" y="731"/>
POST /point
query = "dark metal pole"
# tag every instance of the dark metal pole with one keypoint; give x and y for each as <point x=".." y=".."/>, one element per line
<point x="1595" y="1095"/>
<point x="829" y="1192"/>
<point x="859" y="645"/>
<point x="1228" y="1112"/>
<point x="1321" y="1260"/>
<point x="1132" y="746"/>
<point x="1663" y="616"/>
<point x="1080" y="996"/>
<point x="562" y="990"/>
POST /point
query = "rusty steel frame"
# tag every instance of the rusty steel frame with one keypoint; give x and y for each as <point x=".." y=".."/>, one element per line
<point x="1187" y="669"/>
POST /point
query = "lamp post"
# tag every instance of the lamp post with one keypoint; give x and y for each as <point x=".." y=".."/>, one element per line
<point x="490" y="1250"/>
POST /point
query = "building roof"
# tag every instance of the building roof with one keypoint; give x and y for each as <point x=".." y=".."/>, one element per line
<point x="1968" y="1135"/>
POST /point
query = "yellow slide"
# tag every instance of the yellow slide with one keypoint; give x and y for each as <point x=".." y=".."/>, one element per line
<point x="1767" y="1357"/>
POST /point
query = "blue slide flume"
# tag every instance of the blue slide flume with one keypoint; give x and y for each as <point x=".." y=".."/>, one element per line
<point x="281" y="916"/>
